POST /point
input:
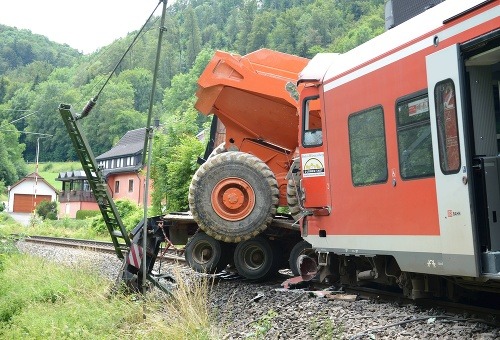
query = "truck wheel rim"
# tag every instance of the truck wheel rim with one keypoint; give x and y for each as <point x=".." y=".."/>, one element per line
<point x="254" y="257"/>
<point x="202" y="252"/>
<point x="233" y="199"/>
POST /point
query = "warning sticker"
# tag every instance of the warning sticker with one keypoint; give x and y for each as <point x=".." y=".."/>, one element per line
<point x="418" y="106"/>
<point x="313" y="164"/>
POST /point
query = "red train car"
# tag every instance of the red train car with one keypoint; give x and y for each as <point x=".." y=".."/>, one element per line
<point x="399" y="144"/>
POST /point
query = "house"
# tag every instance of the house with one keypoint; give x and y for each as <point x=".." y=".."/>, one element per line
<point x="122" y="167"/>
<point x="76" y="194"/>
<point x="123" y="172"/>
<point x="28" y="192"/>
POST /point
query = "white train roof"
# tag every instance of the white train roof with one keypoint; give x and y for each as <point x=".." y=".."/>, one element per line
<point x="328" y="66"/>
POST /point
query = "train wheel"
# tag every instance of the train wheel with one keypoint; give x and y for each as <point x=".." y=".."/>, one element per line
<point x="292" y="198"/>
<point x="206" y="254"/>
<point x="233" y="196"/>
<point x="255" y="259"/>
<point x="301" y="248"/>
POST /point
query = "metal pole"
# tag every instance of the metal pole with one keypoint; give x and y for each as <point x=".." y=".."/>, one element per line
<point x="148" y="141"/>
<point x="155" y="75"/>
<point x="145" y="225"/>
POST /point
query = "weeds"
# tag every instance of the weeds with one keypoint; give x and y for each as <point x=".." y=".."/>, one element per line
<point x="64" y="227"/>
<point x="326" y="329"/>
<point x="263" y="324"/>
<point x="39" y="299"/>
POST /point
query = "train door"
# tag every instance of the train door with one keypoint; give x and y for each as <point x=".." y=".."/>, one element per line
<point x="482" y="78"/>
<point x="313" y="155"/>
<point x="451" y="165"/>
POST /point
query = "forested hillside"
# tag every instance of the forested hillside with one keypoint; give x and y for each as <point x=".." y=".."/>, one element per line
<point x="32" y="86"/>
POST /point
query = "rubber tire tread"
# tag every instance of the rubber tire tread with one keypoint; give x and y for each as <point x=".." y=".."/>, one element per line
<point x="297" y="250"/>
<point x="292" y="199"/>
<point x="221" y="148"/>
<point x="272" y="256"/>
<point x="241" y="165"/>
<point x="217" y="263"/>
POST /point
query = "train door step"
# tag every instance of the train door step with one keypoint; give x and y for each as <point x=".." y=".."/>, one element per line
<point x="491" y="262"/>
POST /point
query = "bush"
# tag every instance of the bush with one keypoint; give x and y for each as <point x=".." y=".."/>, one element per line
<point x="84" y="214"/>
<point x="2" y="206"/>
<point x="130" y="215"/>
<point x="47" y="210"/>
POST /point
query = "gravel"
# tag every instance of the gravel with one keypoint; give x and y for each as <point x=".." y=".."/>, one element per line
<point x="265" y="311"/>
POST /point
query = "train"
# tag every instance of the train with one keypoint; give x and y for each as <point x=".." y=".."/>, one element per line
<point x="399" y="167"/>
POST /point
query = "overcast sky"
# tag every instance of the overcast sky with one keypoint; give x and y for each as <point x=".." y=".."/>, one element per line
<point x="84" y="25"/>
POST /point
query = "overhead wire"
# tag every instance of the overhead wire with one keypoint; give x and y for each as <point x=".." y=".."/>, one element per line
<point x="92" y="102"/>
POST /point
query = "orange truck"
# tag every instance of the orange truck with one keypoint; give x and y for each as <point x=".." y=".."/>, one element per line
<point x="235" y="193"/>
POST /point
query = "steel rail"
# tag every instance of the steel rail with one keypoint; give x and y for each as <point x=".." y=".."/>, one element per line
<point x="93" y="245"/>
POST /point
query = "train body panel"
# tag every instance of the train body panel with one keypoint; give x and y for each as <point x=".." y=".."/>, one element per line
<point x="401" y="142"/>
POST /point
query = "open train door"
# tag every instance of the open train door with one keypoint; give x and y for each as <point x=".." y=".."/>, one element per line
<point x="451" y="165"/>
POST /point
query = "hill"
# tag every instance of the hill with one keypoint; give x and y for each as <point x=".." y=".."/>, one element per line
<point x="41" y="74"/>
<point x="21" y="47"/>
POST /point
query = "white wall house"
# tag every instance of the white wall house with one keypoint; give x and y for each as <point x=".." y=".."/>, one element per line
<point x="28" y="192"/>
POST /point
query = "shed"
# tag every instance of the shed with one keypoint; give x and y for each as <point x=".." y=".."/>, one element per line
<point x="28" y="192"/>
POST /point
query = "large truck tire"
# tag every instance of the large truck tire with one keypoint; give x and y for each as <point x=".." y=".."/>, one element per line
<point x="292" y="198"/>
<point x="205" y="254"/>
<point x="221" y="148"/>
<point x="233" y="196"/>
<point x="256" y="259"/>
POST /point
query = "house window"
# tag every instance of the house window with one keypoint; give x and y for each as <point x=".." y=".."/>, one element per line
<point x="117" y="187"/>
<point x="130" y="185"/>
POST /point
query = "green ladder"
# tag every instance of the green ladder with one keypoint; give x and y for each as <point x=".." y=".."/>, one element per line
<point x="119" y="236"/>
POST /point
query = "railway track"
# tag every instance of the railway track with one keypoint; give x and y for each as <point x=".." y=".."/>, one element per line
<point x="486" y="313"/>
<point x="94" y="245"/>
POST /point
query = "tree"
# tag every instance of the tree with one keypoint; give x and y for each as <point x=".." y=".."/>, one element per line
<point x="141" y="81"/>
<point x="12" y="165"/>
<point x="192" y="36"/>
<point x="112" y="117"/>
<point x="246" y="17"/>
<point x="47" y="210"/>
<point x="261" y="26"/>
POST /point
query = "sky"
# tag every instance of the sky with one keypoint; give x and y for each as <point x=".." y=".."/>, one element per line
<point x="84" y="25"/>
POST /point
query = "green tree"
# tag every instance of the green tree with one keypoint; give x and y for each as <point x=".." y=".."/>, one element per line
<point x="112" y="117"/>
<point x="12" y="165"/>
<point x="47" y="210"/>
<point x="141" y="81"/>
<point x="192" y="36"/>
<point x="261" y="26"/>
<point x="245" y="21"/>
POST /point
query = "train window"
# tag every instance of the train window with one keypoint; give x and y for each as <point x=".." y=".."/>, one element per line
<point x="447" y="127"/>
<point x="414" y="137"/>
<point x="311" y="125"/>
<point x="367" y="146"/>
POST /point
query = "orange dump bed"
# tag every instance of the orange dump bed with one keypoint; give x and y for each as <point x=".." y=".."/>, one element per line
<point x="253" y="96"/>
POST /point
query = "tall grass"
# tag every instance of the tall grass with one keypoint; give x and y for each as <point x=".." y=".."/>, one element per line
<point x="39" y="300"/>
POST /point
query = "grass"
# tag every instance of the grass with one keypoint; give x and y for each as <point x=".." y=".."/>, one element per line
<point x="40" y="299"/>
<point x="65" y="227"/>
<point x="50" y="170"/>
